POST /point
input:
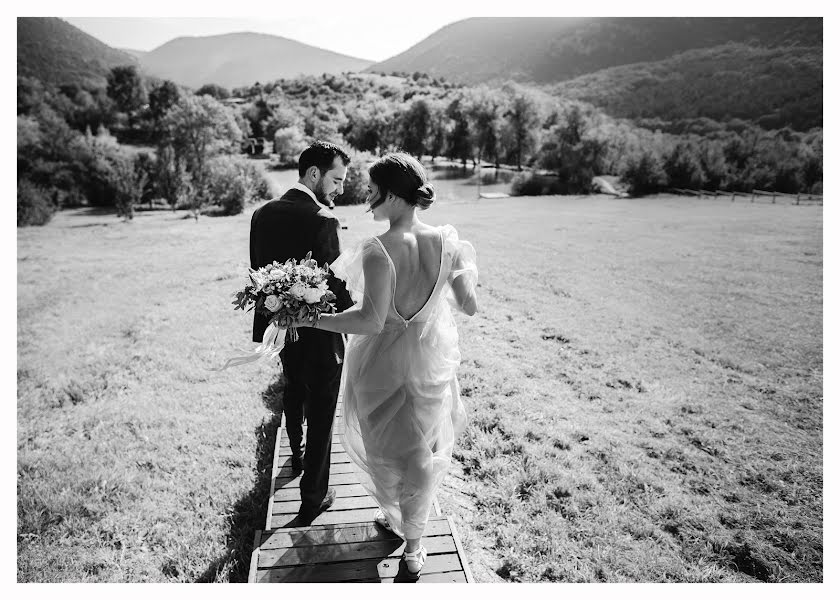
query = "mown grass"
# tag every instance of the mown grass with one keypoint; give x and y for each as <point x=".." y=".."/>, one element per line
<point x="644" y="386"/>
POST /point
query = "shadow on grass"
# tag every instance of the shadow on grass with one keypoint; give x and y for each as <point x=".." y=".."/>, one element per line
<point x="249" y="511"/>
<point x="91" y="211"/>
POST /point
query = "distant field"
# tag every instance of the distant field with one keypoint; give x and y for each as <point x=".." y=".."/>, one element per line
<point x="643" y="381"/>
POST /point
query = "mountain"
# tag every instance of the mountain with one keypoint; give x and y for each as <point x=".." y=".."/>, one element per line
<point x="552" y="49"/>
<point x="135" y="53"/>
<point x="775" y="87"/>
<point x="56" y="52"/>
<point x="240" y="59"/>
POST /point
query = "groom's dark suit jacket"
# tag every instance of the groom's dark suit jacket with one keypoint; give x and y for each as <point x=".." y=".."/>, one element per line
<point x="289" y="227"/>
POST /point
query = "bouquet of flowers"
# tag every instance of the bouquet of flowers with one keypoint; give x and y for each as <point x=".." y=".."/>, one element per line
<point x="283" y="292"/>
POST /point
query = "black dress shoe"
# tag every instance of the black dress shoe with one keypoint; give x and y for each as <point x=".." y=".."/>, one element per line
<point x="297" y="464"/>
<point x="307" y="514"/>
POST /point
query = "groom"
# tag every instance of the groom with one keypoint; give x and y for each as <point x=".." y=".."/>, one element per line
<point x="285" y="228"/>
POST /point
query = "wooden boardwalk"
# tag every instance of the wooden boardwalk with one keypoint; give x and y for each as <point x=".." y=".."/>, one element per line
<point x="343" y="544"/>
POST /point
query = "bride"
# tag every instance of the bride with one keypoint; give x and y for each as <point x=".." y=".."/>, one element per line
<point x="402" y="406"/>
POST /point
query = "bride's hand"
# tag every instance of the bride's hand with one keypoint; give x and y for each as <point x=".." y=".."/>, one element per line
<point x="305" y="322"/>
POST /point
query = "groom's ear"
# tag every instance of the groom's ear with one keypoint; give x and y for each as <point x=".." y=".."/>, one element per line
<point x="313" y="172"/>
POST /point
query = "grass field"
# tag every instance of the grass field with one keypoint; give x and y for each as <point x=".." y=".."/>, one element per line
<point x="643" y="381"/>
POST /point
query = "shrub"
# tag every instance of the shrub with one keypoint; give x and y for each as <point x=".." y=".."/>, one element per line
<point x="171" y="177"/>
<point x="683" y="168"/>
<point x="355" y="185"/>
<point x="260" y="186"/>
<point x="532" y="184"/>
<point x="34" y="206"/>
<point x="643" y="174"/>
<point x="233" y="182"/>
<point x="128" y="177"/>
<point x="288" y="144"/>
<point x="93" y="160"/>
<point x="714" y="165"/>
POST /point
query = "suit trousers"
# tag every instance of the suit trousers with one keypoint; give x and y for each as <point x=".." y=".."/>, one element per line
<point x="312" y="394"/>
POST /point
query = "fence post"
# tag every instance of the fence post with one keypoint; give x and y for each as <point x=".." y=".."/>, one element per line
<point x="752" y="198"/>
<point x="733" y="196"/>
<point x="797" y="198"/>
<point x="774" y="196"/>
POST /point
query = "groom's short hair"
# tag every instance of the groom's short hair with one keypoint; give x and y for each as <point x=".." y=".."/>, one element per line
<point x="322" y="155"/>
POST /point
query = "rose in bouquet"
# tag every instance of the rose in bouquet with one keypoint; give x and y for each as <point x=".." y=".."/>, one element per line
<point x="288" y="291"/>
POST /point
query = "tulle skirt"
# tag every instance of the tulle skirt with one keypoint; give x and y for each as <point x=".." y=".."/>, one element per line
<point x="403" y="413"/>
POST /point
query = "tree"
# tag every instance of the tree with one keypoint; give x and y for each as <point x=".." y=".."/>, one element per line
<point x="459" y="142"/>
<point x="575" y="157"/>
<point x="415" y="127"/>
<point x="371" y="125"/>
<point x="213" y="89"/>
<point x="198" y="128"/>
<point x="438" y="128"/>
<point x="125" y="88"/>
<point x="161" y="99"/>
<point x="812" y="164"/>
<point x="812" y="170"/>
<point x="683" y="167"/>
<point x="522" y="121"/>
<point x="171" y="178"/>
<point x="30" y="94"/>
<point x="129" y="181"/>
<point x="643" y="173"/>
<point x="484" y="116"/>
<point x="288" y="144"/>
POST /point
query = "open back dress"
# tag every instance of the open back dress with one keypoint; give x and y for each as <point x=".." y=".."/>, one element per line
<point x="402" y="405"/>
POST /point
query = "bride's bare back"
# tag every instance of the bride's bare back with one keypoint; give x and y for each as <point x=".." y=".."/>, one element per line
<point x="416" y="255"/>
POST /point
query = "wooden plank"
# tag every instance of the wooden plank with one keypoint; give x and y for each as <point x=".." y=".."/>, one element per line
<point x="275" y="467"/>
<point x="341" y="533"/>
<point x="336" y="439"/>
<point x="345" y="467"/>
<point x="451" y="577"/>
<point x="329" y="517"/>
<point x="461" y="554"/>
<point x="335" y="448"/>
<point x="353" y="502"/>
<point x="310" y="555"/>
<point x="255" y="554"/>
<point x="335" y="479"/>
<point x="348" y="571"/>
<point x="341" y="491"/>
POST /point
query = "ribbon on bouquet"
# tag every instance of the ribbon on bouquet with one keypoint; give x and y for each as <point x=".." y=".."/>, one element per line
<point x="273" y="341"/>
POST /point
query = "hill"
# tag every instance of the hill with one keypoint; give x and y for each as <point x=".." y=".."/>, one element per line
<point x="135" y="53"/>
<point x="239" y="59"/>
<point x="56" y="52"/>
<point x="776" y="87"/>
<point x="549" y="50"/>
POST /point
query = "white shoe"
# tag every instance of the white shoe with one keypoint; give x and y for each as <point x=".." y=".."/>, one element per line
<point x="380" y="519"/>
<point x="414" y="561"/>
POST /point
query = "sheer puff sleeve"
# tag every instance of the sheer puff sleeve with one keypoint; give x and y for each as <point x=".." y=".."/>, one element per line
<point x="366" y="272"/>
<point x="463" y="270"/>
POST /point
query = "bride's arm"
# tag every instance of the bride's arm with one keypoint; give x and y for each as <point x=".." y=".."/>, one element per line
<point x="369" y="318"/>
<point x="463" y="287"/>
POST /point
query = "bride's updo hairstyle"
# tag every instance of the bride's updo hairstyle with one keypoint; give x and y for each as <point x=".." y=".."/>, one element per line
<point x="404" y="176"/>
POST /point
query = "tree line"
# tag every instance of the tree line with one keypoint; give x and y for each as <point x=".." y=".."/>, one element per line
<point x="72" y="140"/>
<point x="75" y="148"/>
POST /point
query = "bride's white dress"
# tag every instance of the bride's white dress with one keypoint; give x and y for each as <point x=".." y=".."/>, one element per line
<point x="402" y="406"/>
